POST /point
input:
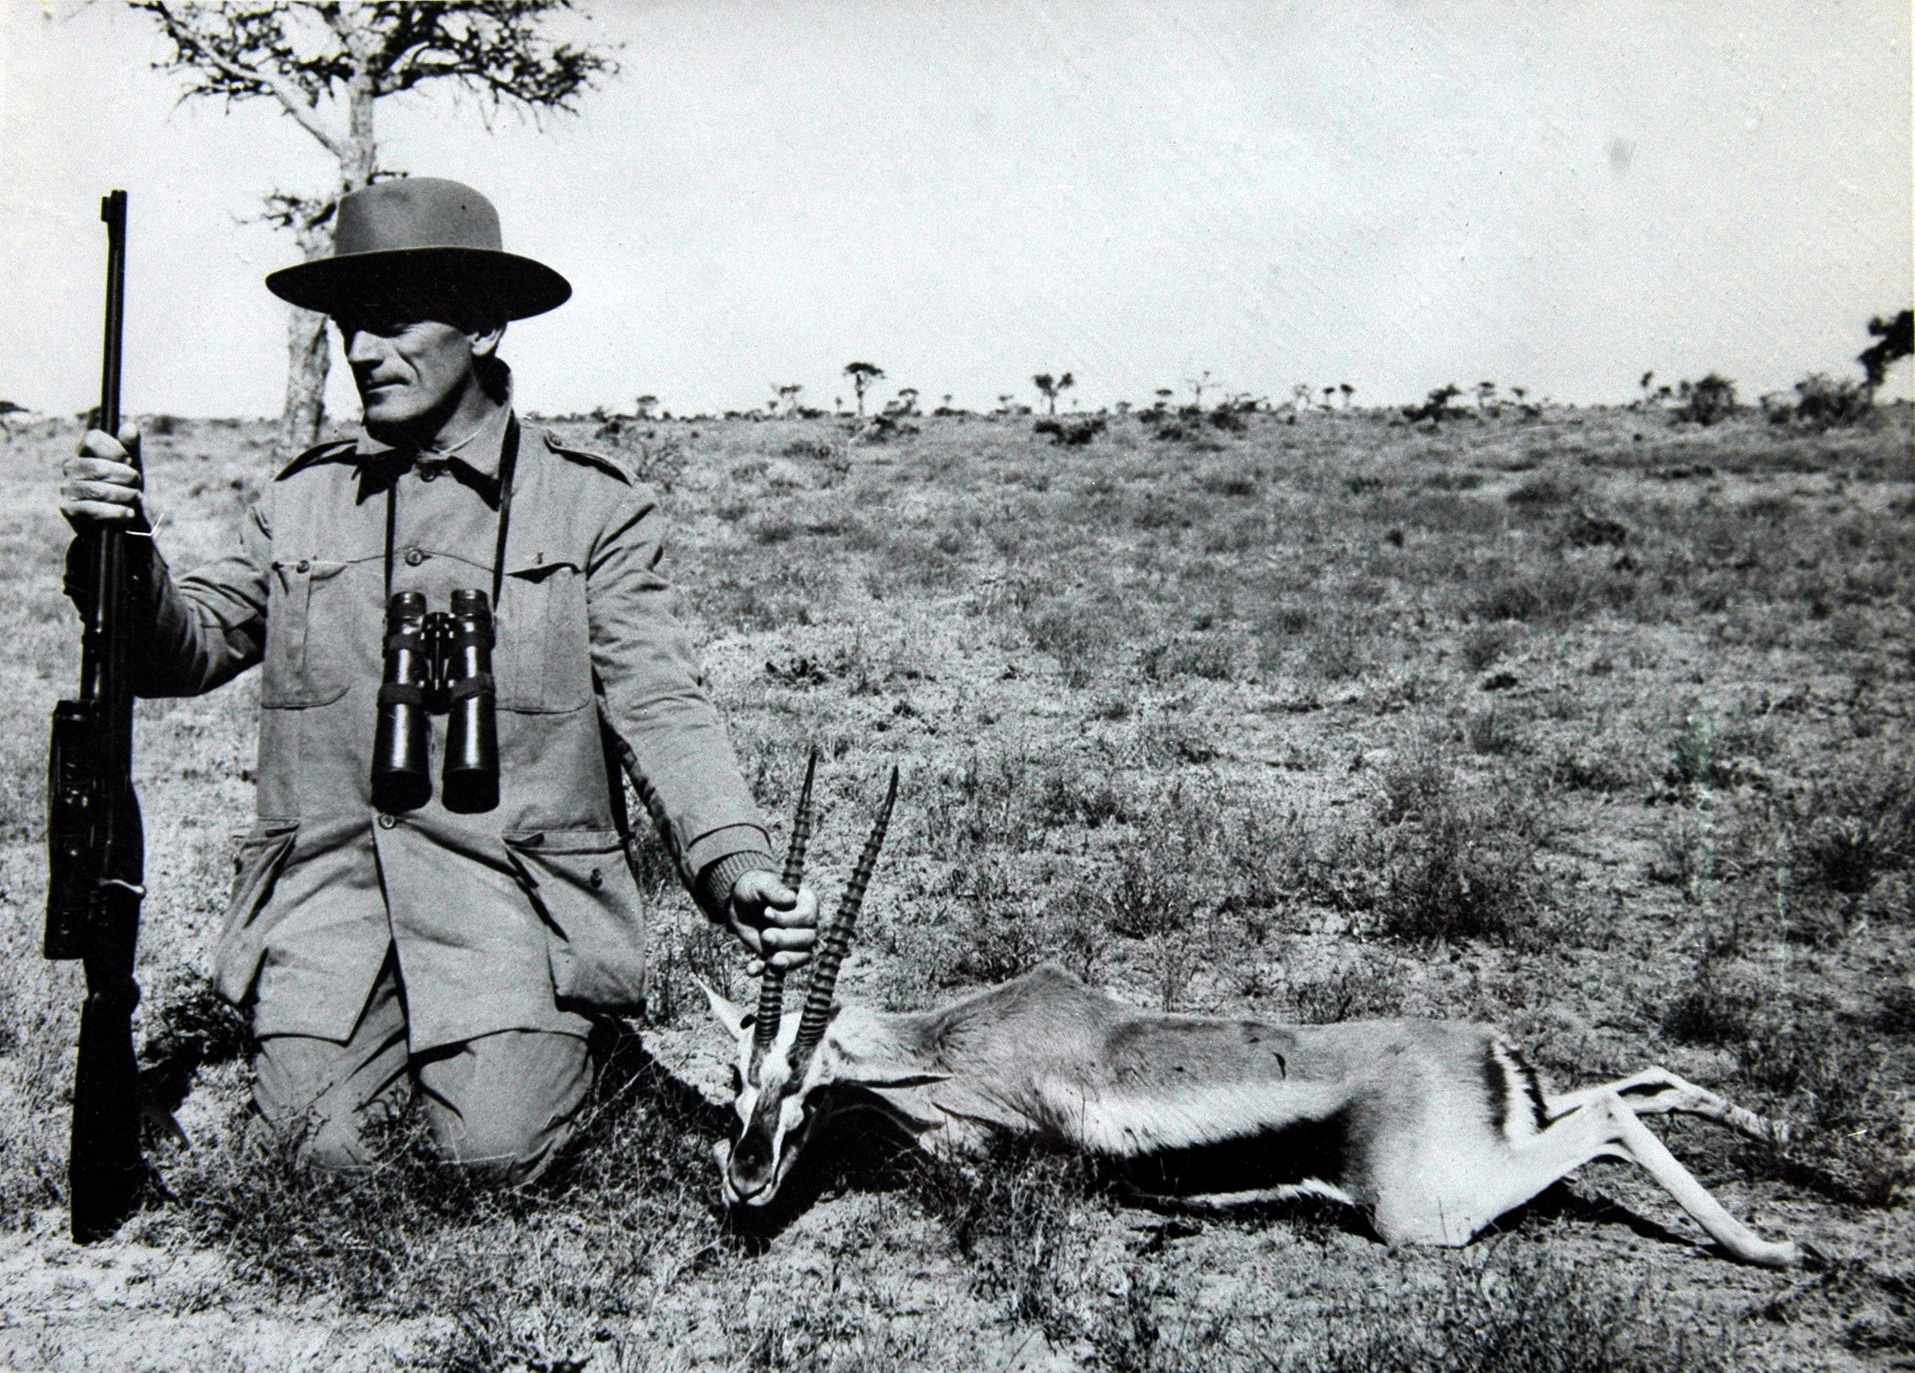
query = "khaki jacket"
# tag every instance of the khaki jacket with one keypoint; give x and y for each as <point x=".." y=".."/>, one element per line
<point x="519" y="918"/>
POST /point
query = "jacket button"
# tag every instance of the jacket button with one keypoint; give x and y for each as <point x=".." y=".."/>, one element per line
<point x="598" y="878"/>
<point x="414" y="557"/>
<point x="386" y="822"/>
<point x="303" y="565"/>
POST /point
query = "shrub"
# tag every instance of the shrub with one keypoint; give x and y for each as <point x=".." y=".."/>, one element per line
<point x="1071" y="433"/>
<point x="1706" y="401"/>
<point x="1014" y="1219"/>
<point x="1463" y="869"/>
<point x="1710" y="1010"/>
<point x="1821" y="1070"/>
<point x="1825" y="402"/>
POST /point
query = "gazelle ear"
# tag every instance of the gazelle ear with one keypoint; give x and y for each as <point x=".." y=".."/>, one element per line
<point x="890" y="1075"/>
<point x="877" y="1061"/>
<point x="729" y="1013"/>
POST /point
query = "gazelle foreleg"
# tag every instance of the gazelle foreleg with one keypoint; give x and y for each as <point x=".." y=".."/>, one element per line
<point x="1604" y="1126"/>
<point x="1657" y="1091"/>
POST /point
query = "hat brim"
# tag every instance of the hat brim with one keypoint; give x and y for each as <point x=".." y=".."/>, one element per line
<point x="517" y="286"/>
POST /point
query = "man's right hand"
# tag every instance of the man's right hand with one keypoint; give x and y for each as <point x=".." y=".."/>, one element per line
<point x="101" y="486"/>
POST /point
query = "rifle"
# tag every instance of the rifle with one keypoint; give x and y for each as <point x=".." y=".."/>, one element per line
<point x="96" y="848"/>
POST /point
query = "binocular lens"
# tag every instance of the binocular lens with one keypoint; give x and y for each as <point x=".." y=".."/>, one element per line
<point x="401" y="768"/>
<point x="472" y="724"/>
<point x="437" y="662"/>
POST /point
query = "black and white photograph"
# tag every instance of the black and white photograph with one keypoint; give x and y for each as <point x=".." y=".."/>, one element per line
<point x="872" y="685"/>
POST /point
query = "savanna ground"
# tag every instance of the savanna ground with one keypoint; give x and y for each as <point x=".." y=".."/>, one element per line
<point x="1584" y="721"/>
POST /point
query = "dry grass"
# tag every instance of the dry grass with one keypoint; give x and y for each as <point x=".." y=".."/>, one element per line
<point x="1585" y="723"/>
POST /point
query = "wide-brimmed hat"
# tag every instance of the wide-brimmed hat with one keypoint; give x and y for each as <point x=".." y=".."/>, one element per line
<point x="420" y="233"/>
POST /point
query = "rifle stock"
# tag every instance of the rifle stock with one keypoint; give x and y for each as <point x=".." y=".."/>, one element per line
<point x="96" y="846"/>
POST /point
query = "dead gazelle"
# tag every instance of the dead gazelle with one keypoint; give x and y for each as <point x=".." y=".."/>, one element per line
<point x="1433" y="1128"/>
<point x="778" y="1070"/>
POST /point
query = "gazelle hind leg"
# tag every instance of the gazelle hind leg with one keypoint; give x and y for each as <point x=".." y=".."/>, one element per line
<point x="1691" y="1195"/>
<point x="1657" y="1091"/>
<point x="1416" y="1209"/>
<point x="1603" y="1127"/>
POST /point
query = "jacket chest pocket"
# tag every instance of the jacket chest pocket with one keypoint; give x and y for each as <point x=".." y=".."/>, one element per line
<point x="543" y="654"/>
<point x="303" y="669"/>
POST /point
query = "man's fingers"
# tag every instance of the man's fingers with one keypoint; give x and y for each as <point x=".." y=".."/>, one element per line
<point x="97" y="443"/>
<point x="89" y="467"/>
<point x="790" y="962"/>
<point x="801" y="910"/>
<point x="99" y="512"/>
<point x="96" y="489"/>
<point x="788" y="941"/>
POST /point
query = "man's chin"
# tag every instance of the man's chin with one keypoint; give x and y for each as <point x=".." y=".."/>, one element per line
<point x="391" y="406"/>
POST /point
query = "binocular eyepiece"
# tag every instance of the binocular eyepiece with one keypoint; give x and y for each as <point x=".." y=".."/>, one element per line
<point x="437" y="662"/>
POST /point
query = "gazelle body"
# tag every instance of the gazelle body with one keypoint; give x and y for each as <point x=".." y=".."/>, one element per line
<point x="1433" y="1128"/>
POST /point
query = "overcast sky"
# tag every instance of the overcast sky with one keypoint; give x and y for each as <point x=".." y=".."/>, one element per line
<point x="965" y="192"/>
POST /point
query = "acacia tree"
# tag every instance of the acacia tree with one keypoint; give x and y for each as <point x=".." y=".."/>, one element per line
<point x="862" y="374"/>
<point x="1895" y="341"/>
<point x="1052" y="387"/>
<point x="328" y="64"/>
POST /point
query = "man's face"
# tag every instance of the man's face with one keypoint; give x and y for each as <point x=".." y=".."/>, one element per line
<point x="406" y="370"/>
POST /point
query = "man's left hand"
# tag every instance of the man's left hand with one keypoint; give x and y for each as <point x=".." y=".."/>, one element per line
<point x="773" y="921"/>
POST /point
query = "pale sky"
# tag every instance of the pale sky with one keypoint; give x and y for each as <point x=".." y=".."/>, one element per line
<point x="1557" y="195"/>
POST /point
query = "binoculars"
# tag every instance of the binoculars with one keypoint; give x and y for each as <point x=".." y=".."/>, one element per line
<point x="437" y="662"/>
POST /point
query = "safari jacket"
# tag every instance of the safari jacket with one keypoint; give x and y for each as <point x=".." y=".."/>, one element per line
<point x="519" y="918"/>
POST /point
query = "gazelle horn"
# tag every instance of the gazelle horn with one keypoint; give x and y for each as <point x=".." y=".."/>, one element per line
<point x="837" y="939"/>
<point x="771" y="991"/>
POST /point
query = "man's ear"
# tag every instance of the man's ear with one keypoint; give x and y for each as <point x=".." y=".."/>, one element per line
<point x="729" y="1013"/>
<point x="485" y="342"/>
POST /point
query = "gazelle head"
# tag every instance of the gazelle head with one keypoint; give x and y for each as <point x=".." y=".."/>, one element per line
<point x="784" y="1065"/>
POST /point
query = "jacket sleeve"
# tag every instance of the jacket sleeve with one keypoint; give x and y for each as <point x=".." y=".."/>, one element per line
<point x="198" y="632"/>
<point x="670" y="737"/>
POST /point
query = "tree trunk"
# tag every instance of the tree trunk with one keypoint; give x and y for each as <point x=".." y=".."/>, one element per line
<point x="308" y="360"/>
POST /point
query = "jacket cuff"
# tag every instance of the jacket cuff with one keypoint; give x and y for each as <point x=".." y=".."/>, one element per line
<point x="715" y="883"/>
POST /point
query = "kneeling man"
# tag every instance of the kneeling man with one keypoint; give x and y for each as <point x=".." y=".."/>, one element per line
<point x="388" y="948"/>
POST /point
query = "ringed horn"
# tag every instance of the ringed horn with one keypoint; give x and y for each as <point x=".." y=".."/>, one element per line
<point x="771" y="991"/>
<point x="837" y="939"/>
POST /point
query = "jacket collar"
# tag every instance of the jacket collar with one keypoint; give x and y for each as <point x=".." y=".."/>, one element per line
<point x="480" y="450"/>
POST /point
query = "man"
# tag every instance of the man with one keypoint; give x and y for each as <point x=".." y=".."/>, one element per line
<point x="456" y="955"/>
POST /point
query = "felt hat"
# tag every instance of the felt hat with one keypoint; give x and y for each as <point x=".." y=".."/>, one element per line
<point x="420" y="233"/>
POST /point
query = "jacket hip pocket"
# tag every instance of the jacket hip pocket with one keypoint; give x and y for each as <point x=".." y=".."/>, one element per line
<point x="298" y="672"/>
<point x="242" y="941"/>
<point x="583" y="891"/>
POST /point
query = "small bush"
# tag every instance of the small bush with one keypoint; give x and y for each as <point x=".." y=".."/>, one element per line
<point x="1710" y="1010"/>
<point x="1465" y="869"/>
<point x="1015" y="1220"/>
<point x="1071" y="433"/>
<point x="1826" y="403"/>
<point x="1707" y="401"/>
<point x="1485" y="645"/>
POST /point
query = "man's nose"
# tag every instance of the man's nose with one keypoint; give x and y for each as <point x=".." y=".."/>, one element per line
<point x="364" y="349"/>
